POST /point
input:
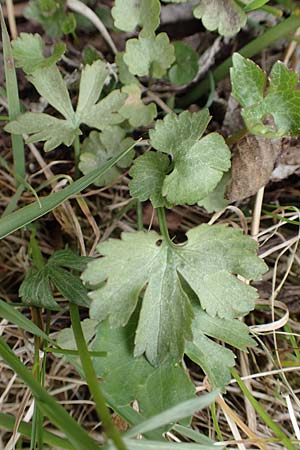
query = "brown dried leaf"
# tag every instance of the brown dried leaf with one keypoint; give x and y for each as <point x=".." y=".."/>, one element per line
<point x="253" y="161"/>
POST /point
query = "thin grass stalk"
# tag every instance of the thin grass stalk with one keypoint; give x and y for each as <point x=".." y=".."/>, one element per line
<point x="77" y="436"/>
<point x="13" y="102"/>
<point x="92" y="380"/>
<point x="262" y="413"/>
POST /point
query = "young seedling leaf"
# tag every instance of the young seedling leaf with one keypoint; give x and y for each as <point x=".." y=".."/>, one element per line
<point x="149" y="56"/>
<point x="208" y="262"/>
<point x="270" y="112"/>
<point x="36" y="289"/>
<point x="96" y="114"/>
<point x="186" y="64"/>
<point x="198" y="164"/>
<point x="226" y="16"/>
<point x="128" y="14"/>
<point x="69" y="285"/>
<point x="134" y="110"/>
<point x="68" y="259"/>
<point x="148" y="174"/>
<point x="28" y="52"/>
<point x="98" y="148"/>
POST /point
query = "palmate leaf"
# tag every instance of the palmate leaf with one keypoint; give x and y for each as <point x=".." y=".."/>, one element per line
<point x="128" y="14"/>
<point x="149" y="55"/>
<point x="134" y="110"/>
<point x="271" y="111"/>
<point x="144" y="264"/>
<point x="97" y="114"/>
<point x="197" y="164"/>
<point x="98" y="148"/>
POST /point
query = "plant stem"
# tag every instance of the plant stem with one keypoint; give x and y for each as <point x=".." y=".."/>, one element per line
<point x="92" y="380"/>
<point x="257" y="45"/>
<point x="13" y="102"/>
<point x="162" y="220"/>
<point x="139" y="213"/>
<point x="77" y="156"/>
<point x="260" y="410"/>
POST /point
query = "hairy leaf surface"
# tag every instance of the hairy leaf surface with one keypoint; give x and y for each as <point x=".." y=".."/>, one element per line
<point x="143" y="264"/>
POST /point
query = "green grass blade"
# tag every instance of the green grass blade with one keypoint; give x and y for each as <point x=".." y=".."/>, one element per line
<point x="173" y="414"/>
<point x="8" y="312"/>
<point x="7" y="422"/>
<point x="263" y="414"/>
<point x="13" y="102"/>
<point x="29" y="213"/>
<point x="55" y="412"/>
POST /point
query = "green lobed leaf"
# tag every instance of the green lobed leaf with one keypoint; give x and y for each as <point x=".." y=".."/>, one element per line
<point x="134" y="110"/>
<point x="215" y="200"/>
<point x="28" y="52"/>
<point x="215" y="360"/>
<point x="198" y="164"/>
<point x="271" y="112"/>
<point x="186" y="64"/>
<point x="91" y="111"/>
<point x="43" y="127"/>
<point x="50" y="84"/>
<point x="98" y="148"/>
<point x="232" y="331"/>
<point x="149" y="56"/>
<point x="148" y="174"/>
<point x="144" y="264"/>
<point x="125" y="76"/>
<point x="226" y="16"/>
<point x="126" y="378"/>
<point x="128" y="14"/>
